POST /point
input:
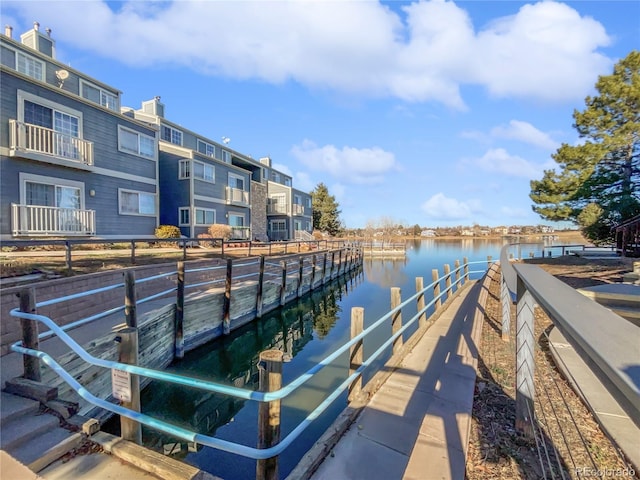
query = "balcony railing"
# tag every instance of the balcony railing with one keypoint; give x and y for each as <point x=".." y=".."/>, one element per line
<point x="38" y="220"/>
<point x="298" y="209"/>
<point x="237" y="196"/>
<point x="240" y="233"/>
<point x="25" y="137"/>
<point x="278" y="209"/>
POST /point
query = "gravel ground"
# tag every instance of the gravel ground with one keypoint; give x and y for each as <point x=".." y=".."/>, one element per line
<point x="569" y="442"/>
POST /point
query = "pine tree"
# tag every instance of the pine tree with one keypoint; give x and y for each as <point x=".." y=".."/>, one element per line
<point x="598" y="185"/>
<point x="326" y="214"/>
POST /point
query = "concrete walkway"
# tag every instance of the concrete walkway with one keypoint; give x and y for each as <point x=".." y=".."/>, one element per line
<point x="417" y="425"/>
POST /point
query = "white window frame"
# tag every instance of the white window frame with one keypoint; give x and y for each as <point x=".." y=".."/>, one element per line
<point x="235" y="176"/>
<point x="308" y="202"/>
<point x="181" y="210"/>
<point x="206" y="210"/>
<point x="237" y="215"/>
<point x="173" y="131"/>
<point x="207" y="146"/>
<point x="226" y="156"/>
<point x="205" y="167"/>
<point x="184" y="169"/>
<point x="297" y="199"/>
<point x="103" y="93"/>
<point x="29" y="58"/>
<point x="22" y="96"/>
<point x="23" y="178"/>
<point x="278" y="222"/>
<point x="140" y="137"/>
<point x="139" y="193"/>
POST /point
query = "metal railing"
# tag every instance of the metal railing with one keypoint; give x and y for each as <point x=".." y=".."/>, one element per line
<point x="297" y="209"/>
<point x="237" y="196"/>
<point x="452" y="280"/>
<point x="38" y="220"/>
<point x="33" y="138"/>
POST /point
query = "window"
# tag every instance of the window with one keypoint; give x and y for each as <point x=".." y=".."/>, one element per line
<point x="297" y="199"/>
<point x="236" y="181"/>
<point x="205" y="216"/>
<point x="226" y="156"/>
<point x="236" y="220"/>
<point x="308" y="202"/>
<point x="308" y="226"/>
<point x="65" y="125"/>
<point x="278" y="226"/>
<point x="171" y="135"/>
<point x="206" y="149"/>
<point x="184" y="169"/>
<point x="287" y="181"/>
<point x="98" y="95"/>
<point x="137" y="203"/>
<point x="52" y="195"/>
<point x="183" y="214"/>
<point x="29" y="66"/>
<point x="136" y="143"/>
<point x="204" y="171"/>
<point x="297" y="225"/>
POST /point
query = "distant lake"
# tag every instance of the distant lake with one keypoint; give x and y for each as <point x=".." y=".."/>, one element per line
<point x="307" y="331"/>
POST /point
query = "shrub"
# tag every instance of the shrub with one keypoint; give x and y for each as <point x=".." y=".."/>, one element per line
<point x="167" y="231"/>
<point x="218" y="230"/>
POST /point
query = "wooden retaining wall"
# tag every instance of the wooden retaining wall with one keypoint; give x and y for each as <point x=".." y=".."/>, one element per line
<point x="203" y="321"/>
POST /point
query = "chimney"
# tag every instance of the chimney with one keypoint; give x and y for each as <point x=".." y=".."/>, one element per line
<point x="8" y="31"/>
<point x="48" y="30"/>
<point x="39" y="41"/>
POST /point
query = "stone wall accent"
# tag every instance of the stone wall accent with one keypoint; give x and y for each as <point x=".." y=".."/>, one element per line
<point x="259" y="212"/>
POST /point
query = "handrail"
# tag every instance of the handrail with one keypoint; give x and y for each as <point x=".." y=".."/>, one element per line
<point x="242" y="393"/>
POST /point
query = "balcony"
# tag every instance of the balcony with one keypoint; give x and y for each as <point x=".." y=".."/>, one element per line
<point x="240" y="233"/>
<point x="235" y="196"/>
<point x="278" y="209"/>
<point x="44" y="143"/>
<point x="38" y="221"/>
<point x="298" y="209"/>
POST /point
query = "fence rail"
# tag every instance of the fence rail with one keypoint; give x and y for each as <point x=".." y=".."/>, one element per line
<point x="439" y="290"/>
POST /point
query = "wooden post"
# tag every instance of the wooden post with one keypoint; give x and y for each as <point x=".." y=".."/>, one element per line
<point x="29" y="334"/>
<point x="260" y="286"/>
<point x="356" y="352"/>
<point x="333" y="263"/>
<point x="67" y="245"/>
<point x="436" y="289"/>
<point x="270" y="371"/>
<point x="324" y="267"/>
<point x="447" y="281"/>
<point x="130" y="314"/>
<point x="465" y="260"/>
<point x="314" y="266"/>
<point x="489" y="260"/>
<point x="133" y="252"/>
<point x="184" y="249"/>
<point x="339" y="262"/>
<point x="249" y="253"/>
<point x="396" y="319"/>
<point x="300" y="270"/>
<point x="422" y="320"/>
<point x="456" y="267"/>
<point x="525" y="365"/>
<point x="179" y="334"/>
<point x="226" y="319"/>
<point x="128" y="353"/>
<point x="222" y="247"/>
<point x="283" y="288"/>
<point x="505" y="298"/>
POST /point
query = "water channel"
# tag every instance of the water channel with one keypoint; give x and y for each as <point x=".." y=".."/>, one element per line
<point x="307" y="331"/>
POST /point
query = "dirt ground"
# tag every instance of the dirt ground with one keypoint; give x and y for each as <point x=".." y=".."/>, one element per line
<point x="569" y="442"/>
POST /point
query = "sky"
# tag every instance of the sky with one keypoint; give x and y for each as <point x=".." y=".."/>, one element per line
<point x="434" y="113"/>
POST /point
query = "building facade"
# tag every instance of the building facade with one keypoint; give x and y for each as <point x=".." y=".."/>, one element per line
<point x="72" y="165"/>
<point x="75" y="163"/>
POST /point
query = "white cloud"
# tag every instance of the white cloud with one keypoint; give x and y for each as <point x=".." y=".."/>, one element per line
<point x="525" y="132"/>
<point x="352" y="165"/>
<point x="302" y="181"/>
<point x="515" y="213"/>
<point x="427" y="52"/>
<point x="441" y="207"/>
<point x="498" y="160"/>
<point x="281" y="167"/>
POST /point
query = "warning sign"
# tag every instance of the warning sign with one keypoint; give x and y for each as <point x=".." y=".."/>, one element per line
<point x="121" y="385"/>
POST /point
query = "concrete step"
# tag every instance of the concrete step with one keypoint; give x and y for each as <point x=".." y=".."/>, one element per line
<point x="13" y="406"/>
<point x="22" y="429"/>
<point x="46" y="448"/>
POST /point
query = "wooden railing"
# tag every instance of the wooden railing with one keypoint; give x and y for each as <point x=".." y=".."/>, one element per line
<point x="32" y="138"/>
<point x="278" y="209"/>
<point x="237" y="196"/>
<point x="38" y="220"/>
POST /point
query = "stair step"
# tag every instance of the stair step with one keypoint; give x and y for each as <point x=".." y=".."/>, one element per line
<point x="12" y="406"/>
<point x="23" y="429"/>
<point x="46" y="448"/>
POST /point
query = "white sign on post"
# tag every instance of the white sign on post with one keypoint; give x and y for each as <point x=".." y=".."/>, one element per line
<point x="121" y="385"/>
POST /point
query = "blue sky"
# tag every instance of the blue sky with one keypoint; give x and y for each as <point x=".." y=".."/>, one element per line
<point x="429" y="112"/>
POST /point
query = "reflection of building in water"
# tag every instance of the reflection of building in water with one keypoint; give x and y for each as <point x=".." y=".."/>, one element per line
<point x="385" y="273"/>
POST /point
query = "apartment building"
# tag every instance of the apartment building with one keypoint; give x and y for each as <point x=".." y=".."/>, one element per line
<point x="75" y="163"/>
<point x="71" y="164"/>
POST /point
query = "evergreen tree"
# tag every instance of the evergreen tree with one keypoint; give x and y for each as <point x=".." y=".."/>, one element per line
<point x="598" y="185"/>
<point x="326" y="215"/>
